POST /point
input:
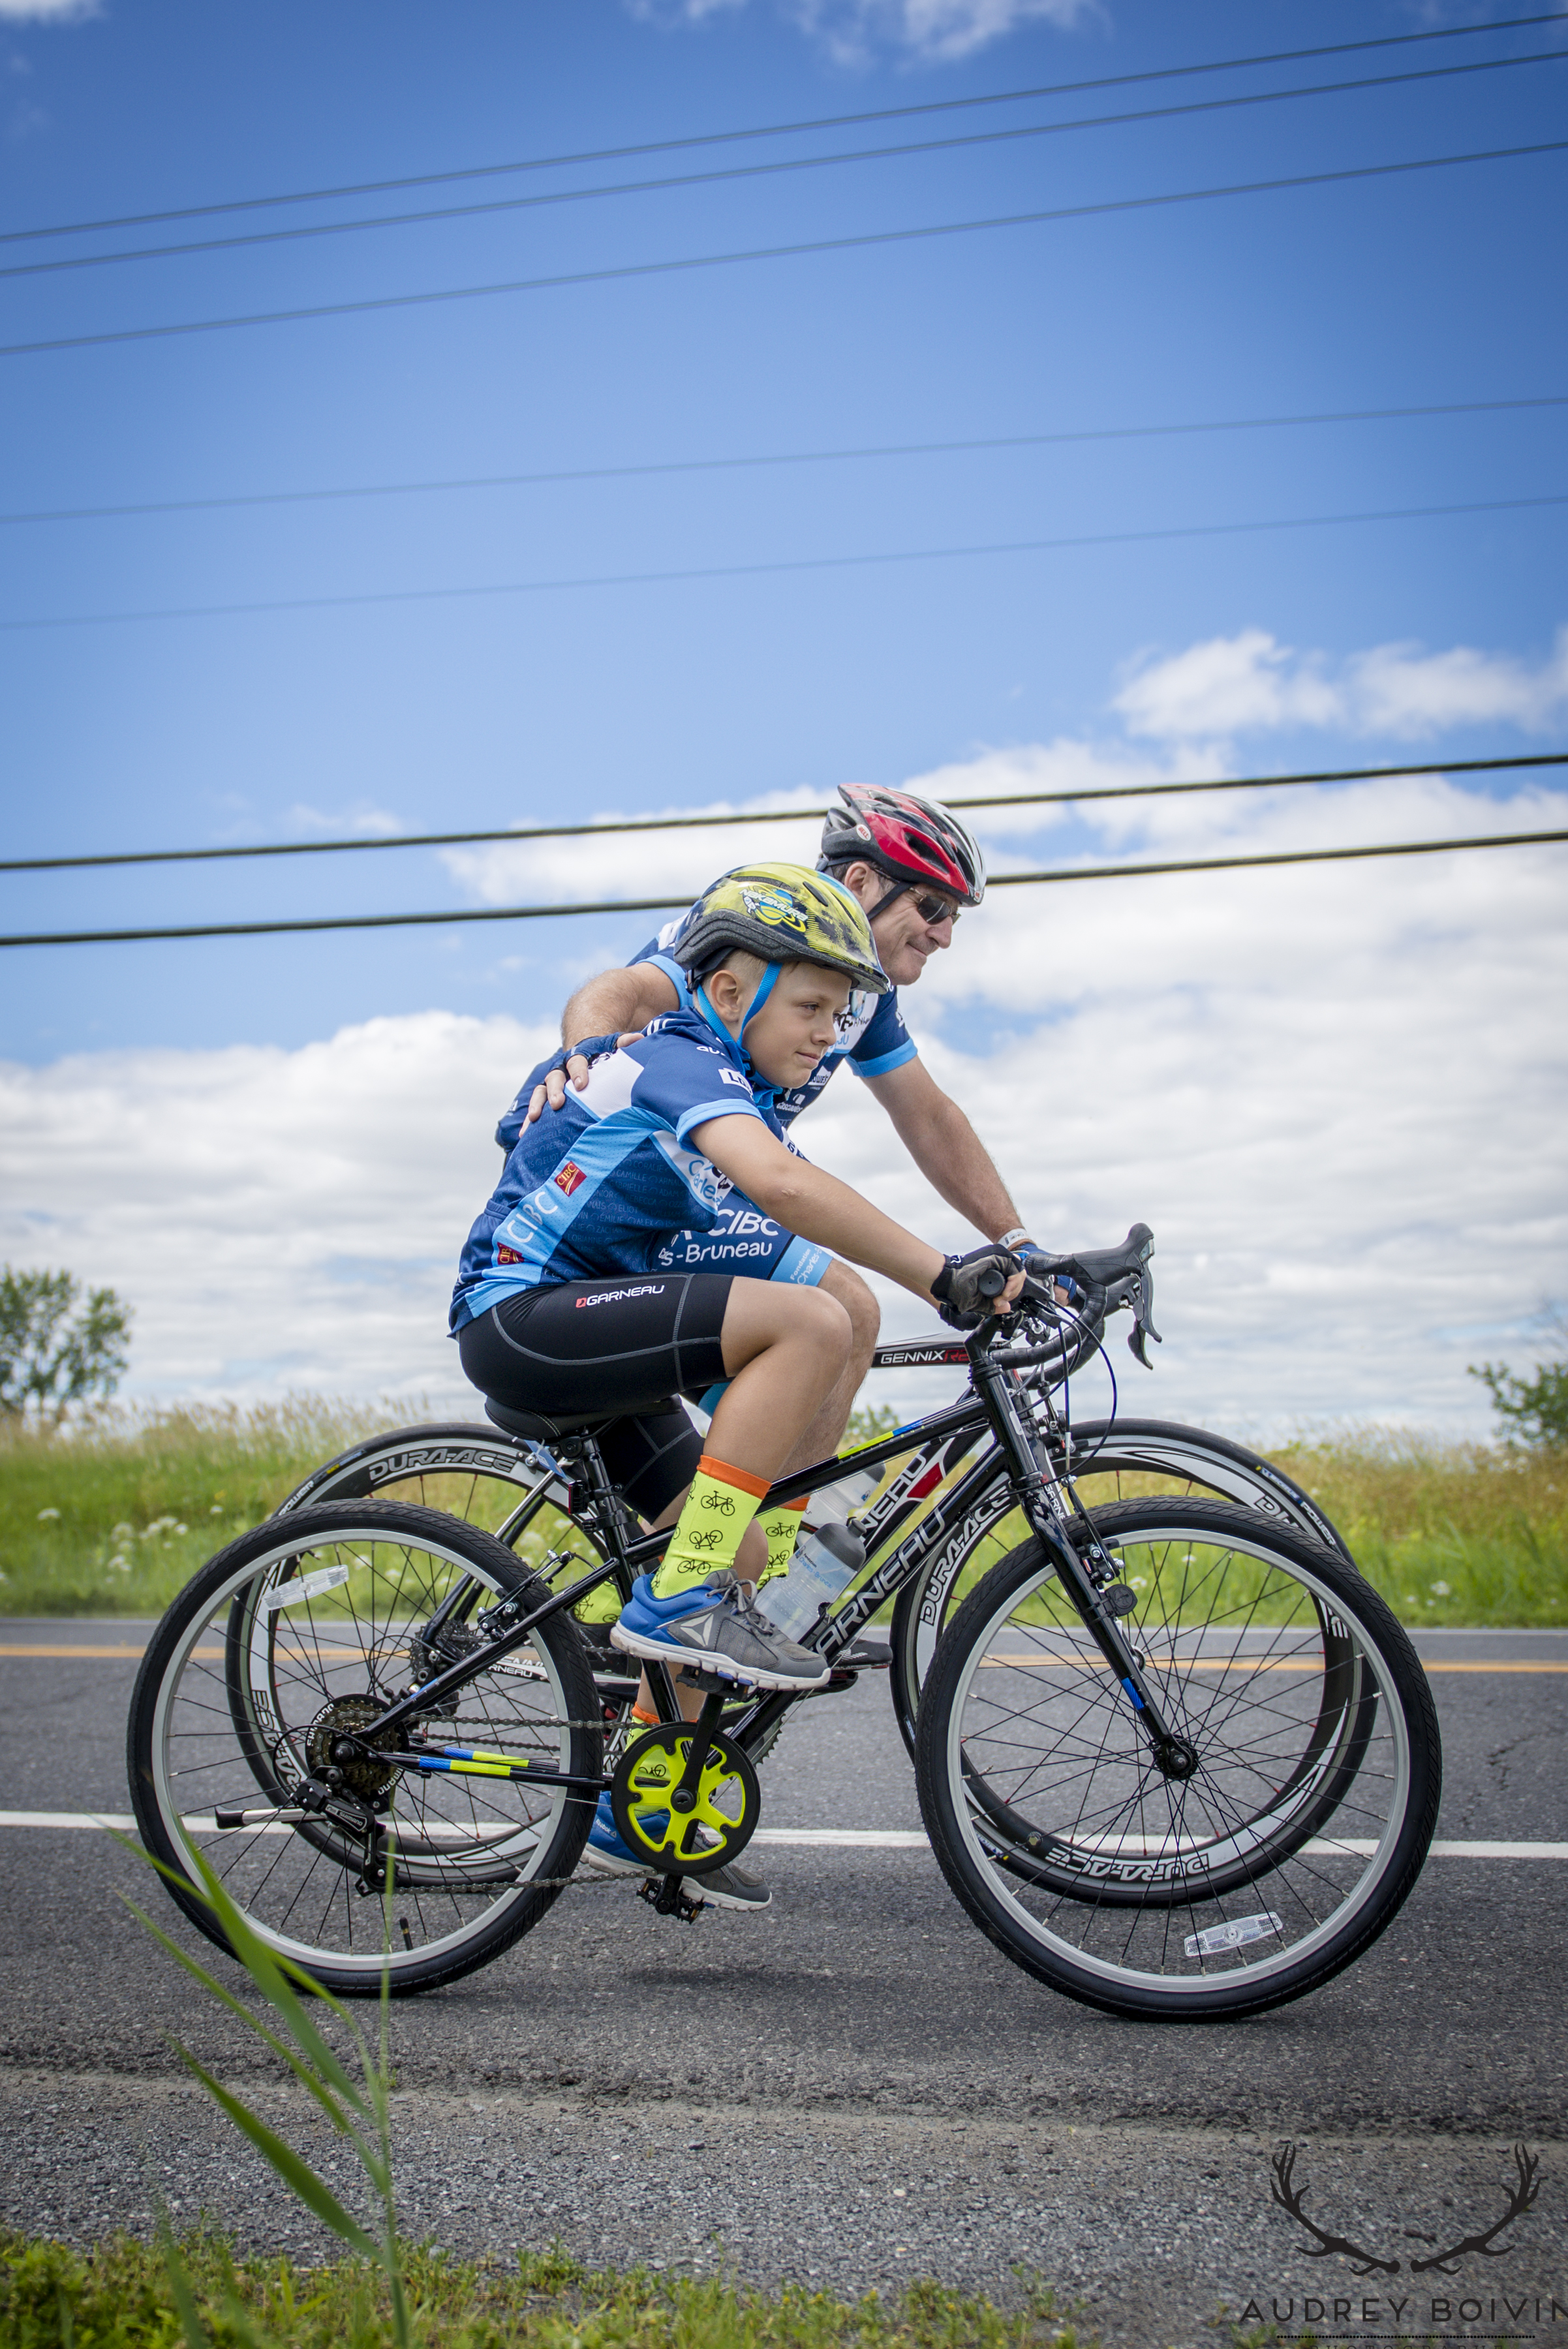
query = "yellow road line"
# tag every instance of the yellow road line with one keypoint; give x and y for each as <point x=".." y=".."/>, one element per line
<point x="1257" y="1664"/>
<point x="293" y="1655"/>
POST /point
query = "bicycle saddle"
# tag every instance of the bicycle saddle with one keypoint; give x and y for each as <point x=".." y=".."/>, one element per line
<point x="537" y="1428"/>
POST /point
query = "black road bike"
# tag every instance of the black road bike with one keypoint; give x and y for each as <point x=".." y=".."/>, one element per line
<point x="1174" y="1755"/>
<point x="539" y="1503"/>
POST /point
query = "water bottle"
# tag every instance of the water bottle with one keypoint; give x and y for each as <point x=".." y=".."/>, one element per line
<point x="825" y="1563"/>
<point x="827" y="1556"/>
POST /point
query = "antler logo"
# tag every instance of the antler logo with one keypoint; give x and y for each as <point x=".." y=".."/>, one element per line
<point x="1290" y="2198"/>
<point x="1528" y="2165"/>
<point x="1484" y="2245"/>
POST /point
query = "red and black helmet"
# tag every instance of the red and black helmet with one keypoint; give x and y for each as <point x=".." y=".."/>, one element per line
<point x="911" y="840"/>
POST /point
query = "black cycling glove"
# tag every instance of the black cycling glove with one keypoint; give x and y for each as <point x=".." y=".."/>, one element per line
<point x="591" y="1049"/>
<point x="966" y="1283"/>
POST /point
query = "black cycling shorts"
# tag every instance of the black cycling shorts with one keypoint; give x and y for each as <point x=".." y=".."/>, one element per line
<point x="625" y="1346"/>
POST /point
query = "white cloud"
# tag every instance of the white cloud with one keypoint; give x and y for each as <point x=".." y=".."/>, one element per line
<point x="47" y="12"/>
<point x="853" y="30"/>
<point x="1252" y="683"/>
<point x="938" y="30"/>
<point x="277" y="1219"/>
<point x="373" y="822"/>
<point x="635" y="864"/>
<point x="1336" y="1094"/>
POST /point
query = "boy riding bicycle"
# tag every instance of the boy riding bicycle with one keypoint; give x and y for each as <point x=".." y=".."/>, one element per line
<point x="562" y="1307"/>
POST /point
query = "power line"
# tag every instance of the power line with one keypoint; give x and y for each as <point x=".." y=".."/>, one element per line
<point x="802" y="248"/>
<point x="771" y="130"/>
<point x="700" y="571"/>
<point x="772" y="169"/>
<point x="784" y="457"/>
<point x="668" y="905"/>
<point x="770" y="815"/>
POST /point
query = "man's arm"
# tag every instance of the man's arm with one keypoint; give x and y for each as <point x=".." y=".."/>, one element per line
<point x="945" y="1147"/>
<point x="818" y="1206"/>
<point x="615" y="1002"/>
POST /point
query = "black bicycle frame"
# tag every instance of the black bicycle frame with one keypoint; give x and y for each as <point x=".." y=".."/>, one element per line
<point x="997" y="1405"/>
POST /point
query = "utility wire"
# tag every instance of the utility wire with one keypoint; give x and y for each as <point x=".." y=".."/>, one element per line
<point x="666" y="904"/>
<point x="394" y="596"/>
<point x="772" y="169"/>
<point x="784" y="457"/>
<point x="768" y="815"/>
<point x="685" y="262"/>
<point x="771" y="129"/>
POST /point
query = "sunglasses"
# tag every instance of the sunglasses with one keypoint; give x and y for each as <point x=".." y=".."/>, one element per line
<point x="934" y="909"/>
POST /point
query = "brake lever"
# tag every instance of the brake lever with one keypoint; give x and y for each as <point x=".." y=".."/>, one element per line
<point x="1133" y="1288"/>
<point x="1140" y="1297"/>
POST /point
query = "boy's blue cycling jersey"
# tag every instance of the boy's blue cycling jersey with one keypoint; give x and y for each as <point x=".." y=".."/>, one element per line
<point x="872" y="1036"/>
<point x="601" y="1185"/>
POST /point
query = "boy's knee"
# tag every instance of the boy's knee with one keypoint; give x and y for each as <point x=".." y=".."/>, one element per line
<point x="864" y="1314"/>
<point x="829" y="1321"/>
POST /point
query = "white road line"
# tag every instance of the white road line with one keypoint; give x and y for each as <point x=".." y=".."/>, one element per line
<point x="842" y="1839"/>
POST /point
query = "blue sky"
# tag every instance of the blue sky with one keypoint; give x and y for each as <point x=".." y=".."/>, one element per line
<point x="1252" y="651"/>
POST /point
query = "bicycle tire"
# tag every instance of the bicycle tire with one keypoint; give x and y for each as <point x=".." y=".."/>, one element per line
<point x="1100" y="1449"/>
<point x="475" y="1861"/>
<point x="1276" y="1862"/>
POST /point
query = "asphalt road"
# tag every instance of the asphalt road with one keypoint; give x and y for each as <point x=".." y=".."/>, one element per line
<point x="853" y="2088"/>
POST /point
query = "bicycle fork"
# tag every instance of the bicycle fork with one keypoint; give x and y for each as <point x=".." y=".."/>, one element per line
<point x="1036" y="1482"/>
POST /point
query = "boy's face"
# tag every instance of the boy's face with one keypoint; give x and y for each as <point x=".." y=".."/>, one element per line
<point x="798" y="1023"/>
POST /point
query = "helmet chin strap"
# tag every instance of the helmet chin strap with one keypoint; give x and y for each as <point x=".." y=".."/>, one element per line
<point x="897" y="890"/>
<point x="765" y="986"/>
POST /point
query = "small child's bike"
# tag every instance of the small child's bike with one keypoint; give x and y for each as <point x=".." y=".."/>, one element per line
<point x="1174" y="1755"/>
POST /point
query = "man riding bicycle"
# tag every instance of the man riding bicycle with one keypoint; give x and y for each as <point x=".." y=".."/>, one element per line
<point x="912" y="867"/>
<point x="567" y="1304"/>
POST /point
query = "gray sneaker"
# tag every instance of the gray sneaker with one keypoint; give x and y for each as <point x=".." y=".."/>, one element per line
<point x="716" y="1628"/>
<point x="727" y="1887"/>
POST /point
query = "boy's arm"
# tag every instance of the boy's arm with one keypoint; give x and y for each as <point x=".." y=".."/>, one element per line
<point x="816" y="1206"/>
<point x="615" y="1003"/>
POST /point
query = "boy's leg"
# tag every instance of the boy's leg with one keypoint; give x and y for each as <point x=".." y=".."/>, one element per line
<point x="785" y="1349"/>
<point x="820" y="1439"/>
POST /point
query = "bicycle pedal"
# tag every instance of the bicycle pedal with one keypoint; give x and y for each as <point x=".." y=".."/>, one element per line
<point x="666" y="1899"/>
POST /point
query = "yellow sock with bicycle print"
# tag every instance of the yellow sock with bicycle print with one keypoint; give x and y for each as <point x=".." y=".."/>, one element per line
<point x="781" y="1530"/>
<point x="720" y="1506"/>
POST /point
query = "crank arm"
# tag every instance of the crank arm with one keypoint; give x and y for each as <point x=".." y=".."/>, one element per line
<point x="285" y="1815"/>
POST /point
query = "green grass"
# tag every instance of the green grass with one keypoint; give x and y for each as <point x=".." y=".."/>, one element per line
<point x="1456" y="1533"/>
<point x="1450" y="1533"/>
<point x="116" y="1517"/>
<point x="113" y="1518"/>
<point x="118" y="2296"/>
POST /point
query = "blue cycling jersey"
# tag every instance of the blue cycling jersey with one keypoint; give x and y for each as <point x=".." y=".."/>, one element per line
<point x="872" y="1036"/>
<point x="601" y="1185"/>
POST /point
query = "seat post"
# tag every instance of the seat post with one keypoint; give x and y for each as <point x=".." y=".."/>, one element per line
<point x="608" y="1508"/>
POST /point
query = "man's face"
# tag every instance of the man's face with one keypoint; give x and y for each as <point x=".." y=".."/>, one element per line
<point x="906" y="939"/>
<point x="798" y="1024"/>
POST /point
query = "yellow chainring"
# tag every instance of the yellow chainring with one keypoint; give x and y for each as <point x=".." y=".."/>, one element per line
<point x="725" y="1802"/>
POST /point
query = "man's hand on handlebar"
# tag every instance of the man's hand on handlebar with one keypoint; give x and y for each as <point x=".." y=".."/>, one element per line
<point x="571" y="1062"/>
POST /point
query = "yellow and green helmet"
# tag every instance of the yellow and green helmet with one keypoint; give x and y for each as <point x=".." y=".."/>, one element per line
<point x="785" y="913"/>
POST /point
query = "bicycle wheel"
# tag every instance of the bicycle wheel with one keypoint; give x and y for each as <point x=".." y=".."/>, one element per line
<point x="1104" y="1455"/>
<point x="476" y="1474"/>
<point x="295" y="1636"/>
<point x="1275" y="1861"/>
